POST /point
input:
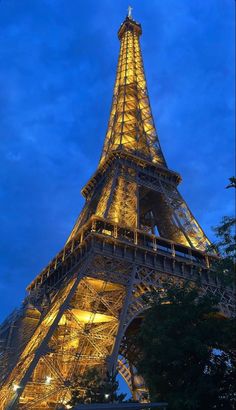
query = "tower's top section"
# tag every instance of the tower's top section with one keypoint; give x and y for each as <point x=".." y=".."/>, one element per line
<point x="129" y="24"/>
<point x="131" y="127"/>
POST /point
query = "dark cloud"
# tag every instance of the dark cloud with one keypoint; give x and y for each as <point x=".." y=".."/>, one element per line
<point x="57" y="63"/>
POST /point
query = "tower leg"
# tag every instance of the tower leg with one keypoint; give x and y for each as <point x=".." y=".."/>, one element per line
<point x="114" y="356"/>
<point x="43" y="346"/>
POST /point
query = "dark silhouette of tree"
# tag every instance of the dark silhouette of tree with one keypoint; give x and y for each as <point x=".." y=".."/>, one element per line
<point x="225" y="245"/>
<point x="92" y="387"/>
<point x="187" y="355"/>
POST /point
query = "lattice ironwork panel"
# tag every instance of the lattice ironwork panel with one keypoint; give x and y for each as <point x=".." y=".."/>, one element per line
<point x="131" y="125"/>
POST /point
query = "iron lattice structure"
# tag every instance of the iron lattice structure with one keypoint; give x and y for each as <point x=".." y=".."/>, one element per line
<point x="134" y="232"/>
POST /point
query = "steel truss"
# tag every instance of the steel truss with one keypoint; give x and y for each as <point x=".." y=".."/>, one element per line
<point x="87" y="318"/>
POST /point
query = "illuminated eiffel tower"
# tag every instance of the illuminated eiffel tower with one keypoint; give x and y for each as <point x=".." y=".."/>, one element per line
<point x="134" y="232"/>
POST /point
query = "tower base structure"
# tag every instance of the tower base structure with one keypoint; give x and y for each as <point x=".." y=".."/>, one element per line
<point x="96" y="287"/>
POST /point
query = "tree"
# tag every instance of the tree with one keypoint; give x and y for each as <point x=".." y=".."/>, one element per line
<point x="186" y="351"/>
<point x="91" y="387"/>
<point x="225" y="245"/>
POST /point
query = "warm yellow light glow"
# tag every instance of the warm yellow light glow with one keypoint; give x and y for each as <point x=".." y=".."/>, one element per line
<point x="131" y="125"/>
<point x="99" y="284"/>
<point x="15" y="387"/>
<point x="86" y="316"/>
<point x="106" y="232"/>
<point x="48" y="379"/>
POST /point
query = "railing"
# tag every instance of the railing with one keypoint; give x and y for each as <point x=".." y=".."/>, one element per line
<point x="135" y="237"/>
<point x="146" y="240"/>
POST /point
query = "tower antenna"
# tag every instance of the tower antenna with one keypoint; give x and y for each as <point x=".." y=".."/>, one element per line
<point x="130" y="12"/>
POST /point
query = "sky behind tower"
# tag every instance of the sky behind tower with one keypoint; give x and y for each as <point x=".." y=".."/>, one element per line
<point x="57" y="71"/>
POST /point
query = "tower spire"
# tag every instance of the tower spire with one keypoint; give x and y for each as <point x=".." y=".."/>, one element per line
<point x="131" y="126"/>
<point x="130" y="12"/>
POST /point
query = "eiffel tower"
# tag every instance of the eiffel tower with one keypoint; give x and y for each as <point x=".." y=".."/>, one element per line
<point x="134" y="232"/>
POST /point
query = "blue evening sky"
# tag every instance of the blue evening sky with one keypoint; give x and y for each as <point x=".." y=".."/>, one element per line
<point x="57" y="69"/>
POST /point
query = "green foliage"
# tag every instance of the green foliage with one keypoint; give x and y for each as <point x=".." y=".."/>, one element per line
<point x="225" y="246"/>
<point x="178" y="339"/>
<point x="91" y="387"/>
